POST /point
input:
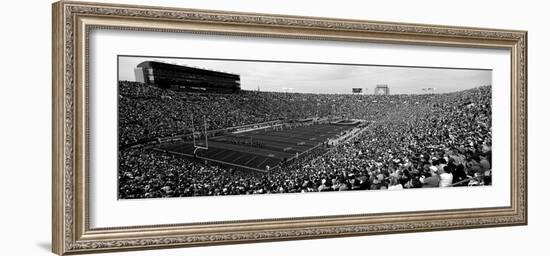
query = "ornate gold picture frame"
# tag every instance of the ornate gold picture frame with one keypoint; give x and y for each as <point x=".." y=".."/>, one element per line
<point x="72" y="24"/>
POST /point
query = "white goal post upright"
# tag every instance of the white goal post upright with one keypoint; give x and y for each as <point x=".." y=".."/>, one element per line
<point x="205" y="132"/>
<point x="197" y="147"/>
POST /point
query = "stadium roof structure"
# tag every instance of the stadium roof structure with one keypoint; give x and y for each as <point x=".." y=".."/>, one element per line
<point x="165" y="65"/>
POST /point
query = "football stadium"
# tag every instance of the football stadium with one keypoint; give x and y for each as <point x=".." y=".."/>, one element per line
<point x="183" y="134"/>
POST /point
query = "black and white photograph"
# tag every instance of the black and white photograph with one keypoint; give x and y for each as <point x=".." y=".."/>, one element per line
<point x="192" y="127"/>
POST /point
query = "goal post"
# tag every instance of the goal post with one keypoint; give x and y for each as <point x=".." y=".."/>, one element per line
<point x="199" y="145"/>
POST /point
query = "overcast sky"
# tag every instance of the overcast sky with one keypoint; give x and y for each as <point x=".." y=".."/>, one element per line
<point x="327" y="78"/>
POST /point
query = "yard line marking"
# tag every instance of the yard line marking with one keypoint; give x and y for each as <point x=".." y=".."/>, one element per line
<point x="220" y="152"/>
<point x="260" y="164"/>
<point x="251" y="159"/>
<point x="239" y="157"/>
<point x="229" y="156"/>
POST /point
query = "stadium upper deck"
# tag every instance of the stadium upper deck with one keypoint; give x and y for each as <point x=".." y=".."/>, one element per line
<point x="184" y="78"/>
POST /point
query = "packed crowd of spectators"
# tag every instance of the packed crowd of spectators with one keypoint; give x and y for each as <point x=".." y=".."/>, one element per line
<point x="411" y="141"/>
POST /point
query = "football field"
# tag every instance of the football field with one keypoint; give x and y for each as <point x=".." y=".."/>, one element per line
<point x="257" y="149"/>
